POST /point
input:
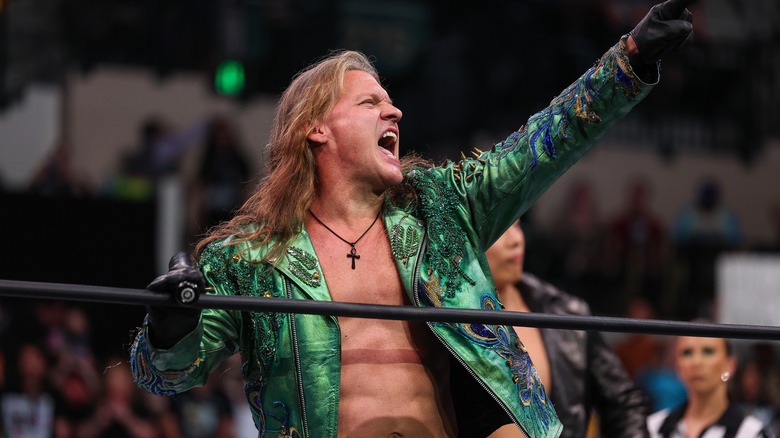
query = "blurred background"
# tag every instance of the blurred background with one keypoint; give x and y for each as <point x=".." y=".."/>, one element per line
<point x="127" y="128"/>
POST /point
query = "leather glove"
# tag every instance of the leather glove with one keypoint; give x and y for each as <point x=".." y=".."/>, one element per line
<point x="666" y="27"/>
<point x="183" y="283"/>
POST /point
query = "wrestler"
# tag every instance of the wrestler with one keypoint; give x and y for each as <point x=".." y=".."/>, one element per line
<point x="340" y="217"/>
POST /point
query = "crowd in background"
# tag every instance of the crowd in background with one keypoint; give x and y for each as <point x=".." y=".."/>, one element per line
<point x="635" y="255"/>
<point x="61" y="375"/>
<point x="56" y="382"/>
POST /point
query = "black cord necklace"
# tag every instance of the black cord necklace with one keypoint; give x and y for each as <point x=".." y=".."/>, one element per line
<point x="353" y="252"/>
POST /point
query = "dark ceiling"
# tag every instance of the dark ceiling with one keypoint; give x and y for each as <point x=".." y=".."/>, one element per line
<point x="467" y="68"/>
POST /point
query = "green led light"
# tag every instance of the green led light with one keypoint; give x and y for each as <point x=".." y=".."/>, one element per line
<point x="229" y="77"/>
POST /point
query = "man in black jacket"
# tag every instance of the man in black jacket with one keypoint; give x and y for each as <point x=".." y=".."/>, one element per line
<point x="580" y="371"/>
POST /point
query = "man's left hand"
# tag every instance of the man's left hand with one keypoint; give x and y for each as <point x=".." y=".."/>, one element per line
<point x="666" y="27"/>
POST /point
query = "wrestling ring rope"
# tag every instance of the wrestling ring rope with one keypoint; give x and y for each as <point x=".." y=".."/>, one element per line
<point x="101" y="294"/>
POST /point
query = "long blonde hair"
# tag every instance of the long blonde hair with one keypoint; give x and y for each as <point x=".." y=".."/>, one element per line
<point x="276" y="211"/>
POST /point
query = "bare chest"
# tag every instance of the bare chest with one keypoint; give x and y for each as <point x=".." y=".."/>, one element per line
<point x="388" y="351"/>
<point x="366" y="274"/>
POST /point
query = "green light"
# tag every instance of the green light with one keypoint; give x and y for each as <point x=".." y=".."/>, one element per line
<point x="229" y="77"/>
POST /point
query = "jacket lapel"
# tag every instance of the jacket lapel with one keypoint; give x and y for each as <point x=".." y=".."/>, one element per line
<point x="301" y="266"/>
<point x="405" y="233"/>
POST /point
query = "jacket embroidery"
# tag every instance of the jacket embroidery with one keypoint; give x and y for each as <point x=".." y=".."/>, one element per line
<point x="242" y="277"/>
<point x="504" y="341"/>
<point x="447" y="240"/>
<point x="404" y="242"/>
<point x="304" y="266"/>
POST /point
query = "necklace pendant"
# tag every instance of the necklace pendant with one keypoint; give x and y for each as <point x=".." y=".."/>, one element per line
<point x="353" y="254"/>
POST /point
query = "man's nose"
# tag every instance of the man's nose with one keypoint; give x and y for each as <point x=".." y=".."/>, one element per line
<point x="391" y="112"/>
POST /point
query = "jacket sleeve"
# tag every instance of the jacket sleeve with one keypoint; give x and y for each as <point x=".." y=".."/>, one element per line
<point x="189" y="362"/>
<point x="498" y="185"/>
<point x="621" y="405"/>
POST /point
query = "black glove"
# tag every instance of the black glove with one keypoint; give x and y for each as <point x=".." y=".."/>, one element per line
<point x="666" y="27"/>
<point x="183" y="283"/>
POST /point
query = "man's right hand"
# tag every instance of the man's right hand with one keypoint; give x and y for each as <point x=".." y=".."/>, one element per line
<point x="183" y="283"/>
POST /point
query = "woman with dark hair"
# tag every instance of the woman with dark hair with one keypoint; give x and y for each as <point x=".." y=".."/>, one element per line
<point x="705" y="366"/>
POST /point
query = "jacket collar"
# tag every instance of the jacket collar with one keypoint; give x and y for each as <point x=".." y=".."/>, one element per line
<point x="405" y="233"/>
<point x="300" y="264"/>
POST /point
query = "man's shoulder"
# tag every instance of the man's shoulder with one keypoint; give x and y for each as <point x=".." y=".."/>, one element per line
<point x="233" y="249"/>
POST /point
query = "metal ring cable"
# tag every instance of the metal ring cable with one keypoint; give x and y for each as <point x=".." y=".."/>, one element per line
<point x="30" y="290"/>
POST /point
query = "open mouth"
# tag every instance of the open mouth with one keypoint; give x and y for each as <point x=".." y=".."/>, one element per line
<point x="387" y="140"/>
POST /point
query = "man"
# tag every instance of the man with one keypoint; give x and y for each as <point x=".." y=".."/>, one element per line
<point x="312" y="231"/>
<point x="579" y="370"/>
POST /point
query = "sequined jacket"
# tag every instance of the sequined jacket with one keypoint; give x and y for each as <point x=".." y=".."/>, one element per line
<point x="291" y="364"/>
<point x="586" y="373"/>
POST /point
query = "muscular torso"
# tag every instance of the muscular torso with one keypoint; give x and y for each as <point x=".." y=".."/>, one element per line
<point x="394" y="374"/>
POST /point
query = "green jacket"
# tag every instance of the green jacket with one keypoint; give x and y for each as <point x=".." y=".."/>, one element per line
<point x="291" y="363"/>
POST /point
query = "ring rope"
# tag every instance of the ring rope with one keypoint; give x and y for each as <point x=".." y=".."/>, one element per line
<point x="28" y="289"/>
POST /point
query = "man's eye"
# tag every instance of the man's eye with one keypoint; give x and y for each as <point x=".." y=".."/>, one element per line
<point x="686" y="352"/>
<point x="367" y="101"/>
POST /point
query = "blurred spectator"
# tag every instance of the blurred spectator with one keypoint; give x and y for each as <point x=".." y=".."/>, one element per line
<point x="157" y="155"/>
<point x="56" y="177"/>
<point x="647" y="360"/>
<point x="161" y="147"/>
<point x="636" y="350"/>
<point x="659" y="380"/>
<point x="76" y="384"/>
<point x="702" y="231"/>
<point x="773" y="245"/>
<point x="38" y="322"/>
<point x="580" y="372"/>
<point x="766" y="402"/>
<point x="752" y="394"/>
<point x="636" y="241"/>
<point x="119" y="412"/>
<point x="223" y="172"/>
<point x="705" y="365"/>
<point x="74" y="377"/>
<point x="706" y="221"/>
<point x="775" y="218"/>
<point x="201" y="412"/>
<point x="28" y="409"/>
<point x="76" y="333"/>
<point x="577" y="239"/>
<point x="4" y="323"/>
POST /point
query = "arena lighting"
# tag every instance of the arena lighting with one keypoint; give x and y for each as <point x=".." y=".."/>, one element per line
<point x="75" y="292"/>
<point x="229" y="77"/>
